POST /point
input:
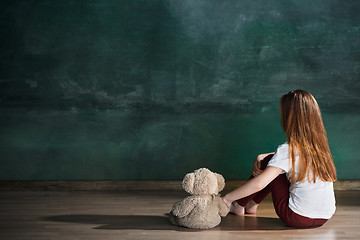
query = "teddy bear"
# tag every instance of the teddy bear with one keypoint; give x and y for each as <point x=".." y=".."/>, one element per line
<point x="204" y="208"/>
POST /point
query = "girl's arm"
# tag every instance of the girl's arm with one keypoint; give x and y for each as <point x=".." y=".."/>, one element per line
<point x="253" y="185"/>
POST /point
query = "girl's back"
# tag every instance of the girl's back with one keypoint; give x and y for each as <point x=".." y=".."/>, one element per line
<point x="309" y="199"/>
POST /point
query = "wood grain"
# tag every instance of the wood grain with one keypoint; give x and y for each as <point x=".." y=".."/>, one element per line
<point x="142" y="215"/>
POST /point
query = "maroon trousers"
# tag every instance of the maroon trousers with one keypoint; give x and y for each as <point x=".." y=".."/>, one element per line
<point x="279" y="189"/>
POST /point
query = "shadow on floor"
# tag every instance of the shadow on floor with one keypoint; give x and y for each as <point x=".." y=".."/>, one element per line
<point x="148" y="222"/>
<point x="251" y="222"/>
<point x="118" y="222"/>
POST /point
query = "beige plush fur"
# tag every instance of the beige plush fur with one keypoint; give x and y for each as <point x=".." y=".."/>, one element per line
<point x="204" y="208"/>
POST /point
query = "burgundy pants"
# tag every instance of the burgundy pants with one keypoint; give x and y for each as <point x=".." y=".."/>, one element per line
<point x="279" y="189"/>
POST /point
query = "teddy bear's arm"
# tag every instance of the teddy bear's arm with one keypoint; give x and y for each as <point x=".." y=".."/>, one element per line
<point x="223" y="209"/>
<point x="184" y="207"/>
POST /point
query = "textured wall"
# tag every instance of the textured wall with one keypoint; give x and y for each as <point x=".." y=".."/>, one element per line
<point x="103" y="89"/>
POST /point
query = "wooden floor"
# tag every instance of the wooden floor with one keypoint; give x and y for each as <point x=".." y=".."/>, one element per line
<point x="142" y="215"/>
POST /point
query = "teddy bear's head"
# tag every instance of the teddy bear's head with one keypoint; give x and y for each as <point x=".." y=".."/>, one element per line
<point x="203" y="181"/>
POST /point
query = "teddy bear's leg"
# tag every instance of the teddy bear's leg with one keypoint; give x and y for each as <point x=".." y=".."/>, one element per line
<point x="173" y="219"/>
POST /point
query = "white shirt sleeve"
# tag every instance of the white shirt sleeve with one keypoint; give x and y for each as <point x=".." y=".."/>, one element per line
<point x="281" y="158"/>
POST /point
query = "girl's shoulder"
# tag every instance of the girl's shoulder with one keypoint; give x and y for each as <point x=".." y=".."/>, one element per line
<point x="281" y="152"/>
<point x="281" y="158"/>
<point x="283" y="148"/>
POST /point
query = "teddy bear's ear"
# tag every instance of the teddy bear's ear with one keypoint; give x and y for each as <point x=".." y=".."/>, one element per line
<point x="188" y="182"/>
<point x="221" y="181"/>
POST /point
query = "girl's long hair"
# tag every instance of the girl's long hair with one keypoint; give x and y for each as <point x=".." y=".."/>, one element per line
<point x="305" y="132"/>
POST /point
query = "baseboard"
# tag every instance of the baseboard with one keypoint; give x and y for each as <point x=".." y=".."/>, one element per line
<point x="129" y="185"/>
<point x="89" y="185"/>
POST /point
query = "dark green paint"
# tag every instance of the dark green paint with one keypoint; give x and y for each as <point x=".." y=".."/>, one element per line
<point x="103" y="89"/>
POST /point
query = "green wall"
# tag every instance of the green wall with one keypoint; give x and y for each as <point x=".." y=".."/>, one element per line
<point x="123" y="90"/>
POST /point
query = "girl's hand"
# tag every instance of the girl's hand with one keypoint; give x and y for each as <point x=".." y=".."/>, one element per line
<point x="256" y="167"/>
<point x="227" y="202"/>
<point x="257" y="164"/>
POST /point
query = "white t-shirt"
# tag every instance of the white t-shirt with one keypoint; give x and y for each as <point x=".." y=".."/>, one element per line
<point x="312" y="200"/>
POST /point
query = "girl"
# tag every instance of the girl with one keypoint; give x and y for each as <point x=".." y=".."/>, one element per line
<point x="299" y="175"/>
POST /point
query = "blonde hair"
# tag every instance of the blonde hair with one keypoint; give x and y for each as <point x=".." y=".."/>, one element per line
<point x="305" y="132"/>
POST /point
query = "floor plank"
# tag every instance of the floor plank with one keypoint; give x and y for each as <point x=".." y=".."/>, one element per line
<point x="142" y="215"/>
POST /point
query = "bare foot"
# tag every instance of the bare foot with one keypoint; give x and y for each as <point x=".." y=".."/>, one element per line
<point x="236" y="209"/>
<point x="251" y="207"/>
